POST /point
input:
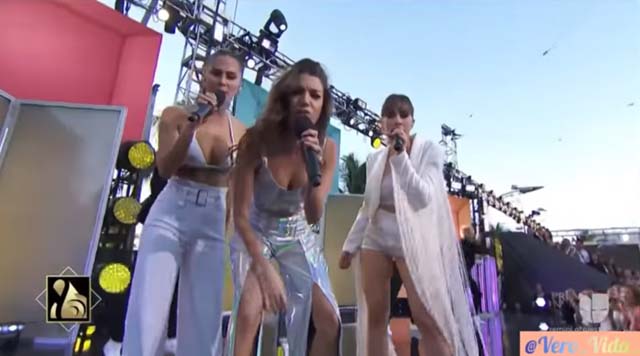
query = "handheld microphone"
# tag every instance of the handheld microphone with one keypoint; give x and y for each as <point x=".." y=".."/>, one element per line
<point x="205" y="109"/>
<point x="302" y="124"/>
<point x="283" y="343"/>
<point x="399" y="143"/>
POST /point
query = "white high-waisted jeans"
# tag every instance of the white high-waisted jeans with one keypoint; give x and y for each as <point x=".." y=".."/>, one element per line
<point x="184" y="231"/>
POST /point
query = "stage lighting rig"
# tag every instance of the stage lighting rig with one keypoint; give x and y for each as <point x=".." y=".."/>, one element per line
<point x="449" y="142"/>
<point x="261" y="54"/>
<point x="172" y="13"/>
<point x="276" y="25"/>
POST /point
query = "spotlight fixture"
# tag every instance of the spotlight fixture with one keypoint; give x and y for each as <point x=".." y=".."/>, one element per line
<point x="251" y="63"/>
<point x="136" y="156"/>
<point x="268" y="44"/>
<point x="164" y="15"/>
<point x="114" y="278"/>
<point x="276" y="24"/>
<point x="359" y="104"/>
<point x="126" y="210"/>
<point x="170" y="15"/>
<point x="376" y="142"/>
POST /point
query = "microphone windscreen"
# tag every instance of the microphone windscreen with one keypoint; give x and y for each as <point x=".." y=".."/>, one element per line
<point x="302" y="124"/>
<point x="220" y="97"/>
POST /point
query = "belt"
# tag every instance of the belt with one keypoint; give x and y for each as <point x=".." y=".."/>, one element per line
<point x="199" y="197"/>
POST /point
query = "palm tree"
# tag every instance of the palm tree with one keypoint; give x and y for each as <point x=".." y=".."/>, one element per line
<point x="353" y="174"/>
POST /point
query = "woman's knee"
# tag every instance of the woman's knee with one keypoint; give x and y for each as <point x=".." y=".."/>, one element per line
<point x="425" y="323"/>
<point x="378" y="310"/>
<point x="327" y="324"/>
<point x="249" y="311"/>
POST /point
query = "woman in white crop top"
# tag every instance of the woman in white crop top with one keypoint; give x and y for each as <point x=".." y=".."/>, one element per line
<point x="406" y="220"/>
<point x="185" y="228"/>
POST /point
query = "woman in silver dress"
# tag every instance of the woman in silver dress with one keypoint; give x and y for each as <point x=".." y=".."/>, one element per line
<point x="274" y="206"/>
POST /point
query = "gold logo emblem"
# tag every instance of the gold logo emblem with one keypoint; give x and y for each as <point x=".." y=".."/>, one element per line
<point x="68" y="299"/>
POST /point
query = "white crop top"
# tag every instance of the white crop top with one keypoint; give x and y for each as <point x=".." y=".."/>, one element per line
<point x="386" y="190"/>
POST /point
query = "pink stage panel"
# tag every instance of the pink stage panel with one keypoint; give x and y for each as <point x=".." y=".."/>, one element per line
<point x="78" y="51"/>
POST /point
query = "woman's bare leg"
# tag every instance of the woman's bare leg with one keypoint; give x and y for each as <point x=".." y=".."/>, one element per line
<point x="325" y="320"/>
<point x="248" y="317"/>
<point x="377" y="269"/>
<point x="430" y="332"/>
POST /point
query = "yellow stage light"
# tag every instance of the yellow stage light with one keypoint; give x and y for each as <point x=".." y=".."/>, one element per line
<point x="126" y="210"/>
<point x="376" y="142"/>
<point x="141" y="155"/>
<point x="114" y="278"/>
<point x="86" y="346"/>
<point x="136" y="156"/>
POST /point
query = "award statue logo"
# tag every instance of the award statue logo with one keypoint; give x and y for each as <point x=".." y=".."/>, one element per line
<point x="68" y="299"/>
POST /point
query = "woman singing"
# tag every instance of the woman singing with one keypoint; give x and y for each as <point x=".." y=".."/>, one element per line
<point x="273" y="206"/>
<point x="185" y="227"/>
<point x="406" y="220"/>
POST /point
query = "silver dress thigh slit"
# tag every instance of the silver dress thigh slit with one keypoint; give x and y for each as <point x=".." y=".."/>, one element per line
<point x="295" y="248"/>
<point x="277" y="217"/>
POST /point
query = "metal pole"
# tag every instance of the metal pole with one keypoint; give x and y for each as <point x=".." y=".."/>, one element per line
<point x="153" y="5"/>
<point x="148" y="122"/>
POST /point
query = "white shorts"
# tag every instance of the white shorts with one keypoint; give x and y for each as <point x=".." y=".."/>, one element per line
<point x="382" y="234"/>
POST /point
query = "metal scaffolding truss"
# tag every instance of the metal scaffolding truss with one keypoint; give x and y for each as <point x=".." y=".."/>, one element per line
<point x="611" y="235"/>
<point x="450" y="143"/>
<point x="207" y="29"/>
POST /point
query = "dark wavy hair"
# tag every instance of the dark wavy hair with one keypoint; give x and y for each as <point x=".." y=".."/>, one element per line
<point x="275" y="123"/>
<point x="397" y="103"/>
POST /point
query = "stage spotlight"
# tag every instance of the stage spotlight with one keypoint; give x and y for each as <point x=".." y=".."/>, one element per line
<point x="136" y="156"/>
<point x="163" y="15"/>
<point x="251" y="63"/>
<point x="540" y="302"/>
<point x="126" y="210"/>
<point x="276" y="24"/>
<point x="359" y="104"/>
<point x="267" y="43"/>
<point x="218" y="32"/>
<point x="543" y="326"/>
<point x="172" y="18"/>
<point x="114" y="278"/>
<point x="376" y="142"/>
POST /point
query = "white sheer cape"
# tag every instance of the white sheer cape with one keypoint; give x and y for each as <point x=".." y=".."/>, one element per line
<point x="429" y="241"/>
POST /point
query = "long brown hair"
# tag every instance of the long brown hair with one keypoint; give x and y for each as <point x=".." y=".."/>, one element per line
<point x="274" y="122"/>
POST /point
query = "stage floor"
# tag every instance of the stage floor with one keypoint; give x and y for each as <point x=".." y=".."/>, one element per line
<point x="501" y="333"/>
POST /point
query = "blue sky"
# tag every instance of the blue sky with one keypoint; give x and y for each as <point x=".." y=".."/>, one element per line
<point x="560" y="120"/>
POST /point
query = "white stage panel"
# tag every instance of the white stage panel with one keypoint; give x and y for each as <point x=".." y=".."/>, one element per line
<point x="54" y="185"/>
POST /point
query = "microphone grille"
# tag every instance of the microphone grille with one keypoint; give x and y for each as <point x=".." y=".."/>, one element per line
<point x="302" y="124"/>
<point x="220" y="97"/>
